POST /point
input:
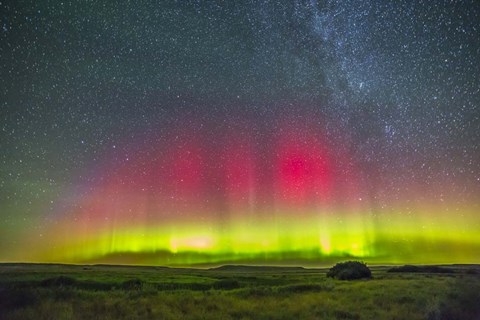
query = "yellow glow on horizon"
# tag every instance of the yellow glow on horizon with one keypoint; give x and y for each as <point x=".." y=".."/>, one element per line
<point x="390" y="238"/>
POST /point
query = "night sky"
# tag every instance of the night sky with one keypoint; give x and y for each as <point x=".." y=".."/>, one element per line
<point x="192" y="132"/>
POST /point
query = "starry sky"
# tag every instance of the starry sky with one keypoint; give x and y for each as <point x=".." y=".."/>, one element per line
<point x="262" y="132"/>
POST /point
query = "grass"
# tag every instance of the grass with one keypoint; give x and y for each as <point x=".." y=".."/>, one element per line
<point x="108" y="292"/>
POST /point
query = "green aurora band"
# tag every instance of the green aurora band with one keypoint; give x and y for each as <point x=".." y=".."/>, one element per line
<point x="309" y="242"/>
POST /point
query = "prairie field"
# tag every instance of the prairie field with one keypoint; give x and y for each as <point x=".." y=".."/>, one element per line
<point x="42" y="291"/>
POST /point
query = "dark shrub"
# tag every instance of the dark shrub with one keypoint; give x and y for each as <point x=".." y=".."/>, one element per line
<point x="198" y="286"/>
<point x="60" y="281"/>
<point x="349" y="270"/>
<point x="471" y="271"/>
<point x="94" y="285"/>
<point x="226" y="284"/>
<point x="132" y="284"/>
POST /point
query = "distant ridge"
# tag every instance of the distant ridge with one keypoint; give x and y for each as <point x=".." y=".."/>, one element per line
<point x="248" y="268"/>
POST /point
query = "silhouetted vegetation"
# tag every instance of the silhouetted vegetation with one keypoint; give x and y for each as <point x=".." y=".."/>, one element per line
<point x="132" y="284"/>
<point x="471" y="271"/>
<point x="226" y="284"/>
<point x="60" y="281"/>
<point x="424" y="269"/>
<point x="349" y="270"/>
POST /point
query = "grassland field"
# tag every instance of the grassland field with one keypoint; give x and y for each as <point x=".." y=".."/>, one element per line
<point x="43" y="291"/>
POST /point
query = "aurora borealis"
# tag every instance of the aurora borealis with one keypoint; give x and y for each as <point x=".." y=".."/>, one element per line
<point x="195" y="133"/>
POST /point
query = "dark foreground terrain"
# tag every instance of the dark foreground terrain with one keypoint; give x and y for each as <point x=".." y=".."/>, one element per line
<point x="33" y="291"/>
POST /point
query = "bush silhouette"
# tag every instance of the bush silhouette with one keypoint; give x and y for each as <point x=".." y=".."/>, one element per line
<point x="226" y="284"/>
<point x="60" y="281"/>
<point x="349" y="270"/>
<point x="132" y="284"/>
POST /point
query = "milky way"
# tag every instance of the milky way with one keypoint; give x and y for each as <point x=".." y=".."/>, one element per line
<point x="191" y="132"/>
